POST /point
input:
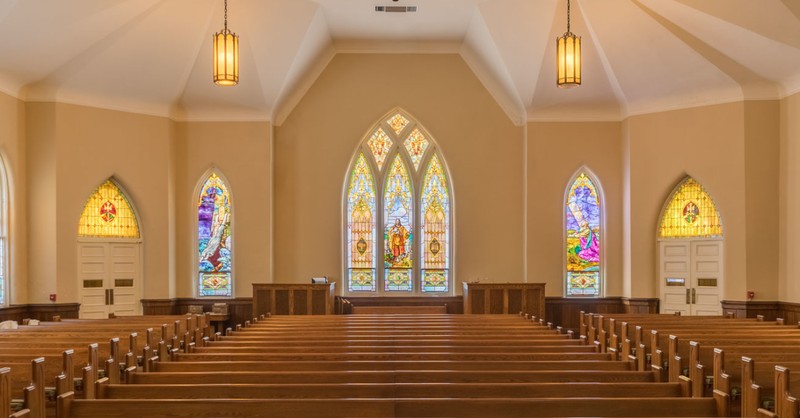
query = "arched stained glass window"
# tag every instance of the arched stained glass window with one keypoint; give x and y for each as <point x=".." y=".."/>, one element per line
<point x="583" y="210"/>
<point x="214" y="238"/>
<point x="690" y="213"/>
<point x="398" y="226"/>
<point x="4" y="202"/>
<point x="398" y="180"/>
<point x="361" y="227"/>
<point x="435" y="228"/>
<point x="108" y="214"/>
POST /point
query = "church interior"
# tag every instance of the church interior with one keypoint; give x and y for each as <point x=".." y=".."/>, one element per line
<point x="669" y="91"/>
<point x="409" y="208"/>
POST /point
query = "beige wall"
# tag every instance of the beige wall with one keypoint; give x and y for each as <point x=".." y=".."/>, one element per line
<point x="12" y="152"/>
<point x="789" y="288"/>
<point x="91" y="146"/>
<point x="508" y="182"/>
<point x="482" y="148"/>
<point x="707" y="143"/>
<point x="555" y="152"/>
<point x="762" y="164"/>
<point x="241" y="152"/>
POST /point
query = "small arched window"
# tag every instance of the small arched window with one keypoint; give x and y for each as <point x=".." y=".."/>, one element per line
<point x="214" y="237"/>
<point x="398" y="161"/>
<point x="689" y="213"/>
<point x="108" y="214"/>
<point x="4" y="250"/>
<point x="583" y="209"/>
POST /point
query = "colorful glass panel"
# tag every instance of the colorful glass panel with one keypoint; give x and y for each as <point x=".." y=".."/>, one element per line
<point x="434" y="281"/>
<point x="583" y="238"/>
<point x="361" y="280"/>
<point x="435" y="227"/>
<point x="690" y="213"/>
<point x="398" y="123"/>
<point x="583" y="283"/>
<point x="416" y="144"/>
<point x="108" y="214"/>
<point x="380" y="144"/>
<point x="398" y="280"/>
<point x="214" y="238"/>
<point x="361" y="227"/>
<point x="398" y="217"/>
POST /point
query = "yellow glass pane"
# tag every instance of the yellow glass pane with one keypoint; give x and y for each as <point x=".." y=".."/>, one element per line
<point x="108" y="214"/>
<point x="690" y="213"/>
<point x="398" y="123"/>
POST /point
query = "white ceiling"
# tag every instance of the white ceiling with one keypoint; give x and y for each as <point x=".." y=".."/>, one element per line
<point x="639" y="56"/>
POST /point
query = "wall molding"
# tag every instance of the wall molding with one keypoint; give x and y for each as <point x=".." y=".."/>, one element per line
<point x="40" y="311"/>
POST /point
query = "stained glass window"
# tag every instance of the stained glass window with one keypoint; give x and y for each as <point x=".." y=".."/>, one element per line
<point x="583" y="210"/>
<point x="416" y="144"/>
<point x="108" y="214"/>
<point x="214" y="238"/>
<point x="397" y="190"/>
<point x="3" y="234"/>
<point x="398" y="123"/>
<point x="380" y="144"/>
<point x="690" y="213"/>
<point x="435" y="228"/>
<point x="361" y="228"/>
<point x="398" y="220"/>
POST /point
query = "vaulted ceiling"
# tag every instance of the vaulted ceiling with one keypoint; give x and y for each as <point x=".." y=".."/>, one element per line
<point x="639" y="56"/>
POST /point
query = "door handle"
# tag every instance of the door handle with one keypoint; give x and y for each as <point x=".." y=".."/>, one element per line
<point x="694" y="296"/>
<point x="106" y="291"/>
<point x="111" y="294"/>
<point x="688" y="296"/>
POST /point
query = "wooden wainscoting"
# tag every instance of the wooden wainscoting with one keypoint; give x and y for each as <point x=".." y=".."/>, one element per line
<point x="40" y="311"/>
<point x="566" y="311"/>
<point x="769" y="309"/>
<point x="453" y="304"/>
<point x="240" y="309"/>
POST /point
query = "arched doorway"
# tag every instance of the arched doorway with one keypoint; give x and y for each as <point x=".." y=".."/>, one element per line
<point x="109" y="255"/>
<point x="690" y="252"/>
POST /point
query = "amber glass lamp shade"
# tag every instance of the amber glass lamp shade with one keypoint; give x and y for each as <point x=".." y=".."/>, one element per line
<point x="568" y="61"/>
<point x="226" y="58"/>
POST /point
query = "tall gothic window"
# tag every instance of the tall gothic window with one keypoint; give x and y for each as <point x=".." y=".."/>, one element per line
<point x="583" y="209"/>
<point x="4" y="202"/>
<point x="398" y="183"/>
<point x="214" y="237"/>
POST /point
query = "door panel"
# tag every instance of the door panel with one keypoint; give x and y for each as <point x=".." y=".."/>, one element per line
<point x="691" y="276"/>
<point x="109" y="275"/>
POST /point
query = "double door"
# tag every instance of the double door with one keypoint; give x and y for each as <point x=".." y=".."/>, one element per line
<point x="691" y="276"/>
<point x="109" y="278"/>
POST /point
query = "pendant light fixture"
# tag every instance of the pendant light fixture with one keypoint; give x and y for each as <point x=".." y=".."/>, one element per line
<point x="568" y="58"/>
<point x="226" y="55"/>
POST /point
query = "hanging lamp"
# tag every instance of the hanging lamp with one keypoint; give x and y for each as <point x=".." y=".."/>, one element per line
<point x="226" y="55"/>
<point x="568" y="58"/>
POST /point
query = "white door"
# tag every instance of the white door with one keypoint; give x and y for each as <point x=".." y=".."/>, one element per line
<point x="691" y="276"/>
<point x="109" y="276"/>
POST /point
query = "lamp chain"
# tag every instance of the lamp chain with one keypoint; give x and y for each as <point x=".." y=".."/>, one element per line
<point x="226" y="16"/>
<point x="226" y="2"/>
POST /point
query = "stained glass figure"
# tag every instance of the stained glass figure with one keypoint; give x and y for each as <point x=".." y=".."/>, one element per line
<point x="583" y="238"/>
<point x="380" y="144"/>
<point x="416" y="144"/>
<point x="361" y="227"/>
<point x="214" y="238"/>
<point x="435" y="228"/>
<point x="108" y="214"/>
<point x="398" y="230"/>
<point x="690" y="213"/>
<point x="398" y="123"/>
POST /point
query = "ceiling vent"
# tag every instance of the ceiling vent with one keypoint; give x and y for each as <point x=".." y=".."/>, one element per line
<point x="396" y="9"/>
